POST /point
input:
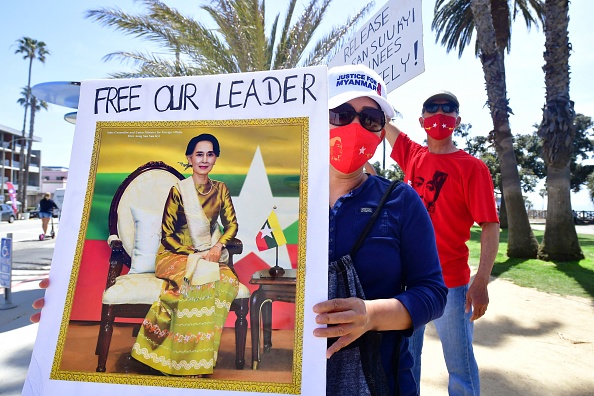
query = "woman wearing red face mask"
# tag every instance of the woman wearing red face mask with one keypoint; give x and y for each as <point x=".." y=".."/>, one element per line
<point x="389" y="285"/>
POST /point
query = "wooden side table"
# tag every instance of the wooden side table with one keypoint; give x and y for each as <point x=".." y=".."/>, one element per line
<point x="279" y="288"/>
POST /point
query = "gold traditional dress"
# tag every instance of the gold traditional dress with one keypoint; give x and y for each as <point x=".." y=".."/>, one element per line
<point x="181" y="333"/>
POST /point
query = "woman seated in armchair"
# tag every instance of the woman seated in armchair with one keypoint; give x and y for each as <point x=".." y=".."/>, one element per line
<point x="181" y="333"/>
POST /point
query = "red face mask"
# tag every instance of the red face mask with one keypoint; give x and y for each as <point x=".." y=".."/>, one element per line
<point x="439" y="126"/>
<point x="351" y="146"/>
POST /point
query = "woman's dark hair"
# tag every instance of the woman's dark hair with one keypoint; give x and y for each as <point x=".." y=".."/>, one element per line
<point x="205" y="136"/>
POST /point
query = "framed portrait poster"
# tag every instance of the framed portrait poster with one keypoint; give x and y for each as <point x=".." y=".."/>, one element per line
<point x="193" y="240"/>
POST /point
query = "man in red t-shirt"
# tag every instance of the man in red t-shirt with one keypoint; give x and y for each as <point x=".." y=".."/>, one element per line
<point x="457" y="191"/>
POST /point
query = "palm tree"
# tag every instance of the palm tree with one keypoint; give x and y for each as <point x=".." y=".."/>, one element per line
<point x="24" y="101"/>
<point x="238" y="43"/>
<point x="32" y="50"/>
<point x="560" y="241"/>
<point x="456" y="20"/>
<point x="35" y="107"/>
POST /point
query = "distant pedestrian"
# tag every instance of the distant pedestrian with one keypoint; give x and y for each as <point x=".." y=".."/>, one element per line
<point x="46" y="211"/>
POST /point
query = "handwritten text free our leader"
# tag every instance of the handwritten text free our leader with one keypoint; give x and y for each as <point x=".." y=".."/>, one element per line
<point x="180" y="97"/>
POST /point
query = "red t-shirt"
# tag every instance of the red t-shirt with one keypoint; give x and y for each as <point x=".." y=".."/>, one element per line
<point x="457" y="191"/>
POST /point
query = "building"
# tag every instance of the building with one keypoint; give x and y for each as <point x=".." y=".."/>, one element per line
<point x="12" y="165"/>
<point x="53" y="178"/>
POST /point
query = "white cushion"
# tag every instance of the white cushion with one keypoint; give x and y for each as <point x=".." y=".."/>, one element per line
<point x="147" y="238"/>
<point x="134" y="289"/>
<point x="147" y="191"/>
<point x="144" y="289"/>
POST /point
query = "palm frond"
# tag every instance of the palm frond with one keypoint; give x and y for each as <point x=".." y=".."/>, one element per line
<point x="241" y="25"/>
<point x="327" y="47"/>
<point x="281" y="51"/>
<point x="303" y="30"/>
<point x="526" y="7"/>
<point x="32" y="49"/>
<point x="454" y="24"/>
<point x="138" y="26"/>
<point x="207" y="46"/>
<point x="238" y="42"/>
<point x="270" y="43"/>
<point x="151" y="65"/>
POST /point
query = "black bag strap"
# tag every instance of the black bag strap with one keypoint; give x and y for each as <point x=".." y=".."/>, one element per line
<point x="370" y="342"/>
<point x="373" y="217"/>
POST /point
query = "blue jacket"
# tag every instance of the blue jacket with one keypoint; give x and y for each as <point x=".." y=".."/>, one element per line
<point x="397" y="260"/>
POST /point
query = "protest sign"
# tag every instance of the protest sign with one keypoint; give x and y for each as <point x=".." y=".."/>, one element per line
<point x="272" y="128"/>
<point x="390" y="42"/>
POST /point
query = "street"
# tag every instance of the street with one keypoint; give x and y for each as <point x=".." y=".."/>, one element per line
<point x="24" y="230"/>
<point x="31" y="258"/>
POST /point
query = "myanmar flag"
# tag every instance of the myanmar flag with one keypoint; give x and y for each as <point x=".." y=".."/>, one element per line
<point x="271" y="235"/>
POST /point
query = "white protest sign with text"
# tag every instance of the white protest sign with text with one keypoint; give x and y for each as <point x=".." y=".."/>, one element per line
<point x="390" y="42"/>
<point x="272" y="128"/>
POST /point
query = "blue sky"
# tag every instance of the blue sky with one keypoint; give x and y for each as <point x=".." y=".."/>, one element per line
<point x="77" y="46"/>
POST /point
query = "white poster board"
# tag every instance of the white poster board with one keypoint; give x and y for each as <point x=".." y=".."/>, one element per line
<point x="390" y="42"/>
<point x="273" y="132"/>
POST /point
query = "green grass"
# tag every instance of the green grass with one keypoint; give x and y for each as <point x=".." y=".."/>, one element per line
<point x="571" y="278"/>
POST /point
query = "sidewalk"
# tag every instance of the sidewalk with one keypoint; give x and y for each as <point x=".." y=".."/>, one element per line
<point x="528" y="343"/>
<point x="31" y="263"/>
<point x="539" y="224"/>
<point x="17" y="338"/>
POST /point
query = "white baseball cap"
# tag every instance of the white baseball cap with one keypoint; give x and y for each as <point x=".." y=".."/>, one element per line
<point x="354" y="81"/>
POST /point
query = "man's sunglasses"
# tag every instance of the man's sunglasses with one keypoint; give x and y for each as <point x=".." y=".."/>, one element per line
<point x="371" y="119"/>
<point x="445" y="107"/>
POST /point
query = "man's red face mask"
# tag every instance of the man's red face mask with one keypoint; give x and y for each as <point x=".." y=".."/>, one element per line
<point x="439" y="126"/>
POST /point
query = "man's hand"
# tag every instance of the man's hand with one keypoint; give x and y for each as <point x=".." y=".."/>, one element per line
<point x="478" y="297"/>
<point x="39" y="303"/>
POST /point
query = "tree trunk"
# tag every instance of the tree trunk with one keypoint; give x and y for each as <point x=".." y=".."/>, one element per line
<point x="560" y="241"/>
<point x="521" y="241"/>
<point x="21" y="156"/>
<point x="22" y="186"/>
<point x="28" y="157"/>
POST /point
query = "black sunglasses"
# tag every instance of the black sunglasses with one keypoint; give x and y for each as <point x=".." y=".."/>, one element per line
<point x="371" y="119"/>
<point x="445" y="107"/>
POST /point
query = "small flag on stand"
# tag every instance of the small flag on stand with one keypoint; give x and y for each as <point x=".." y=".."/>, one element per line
<point x="271" y="234"/>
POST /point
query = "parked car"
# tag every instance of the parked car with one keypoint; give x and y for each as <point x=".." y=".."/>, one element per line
<point x="6" y="213"/>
